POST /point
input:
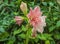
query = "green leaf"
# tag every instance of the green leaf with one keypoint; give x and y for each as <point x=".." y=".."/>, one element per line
<point x="16" y="31"/>
<point x="3" y="36"/>
<point x="24" y="28"/>
<point x="15" y="13"/>
<point x="57" y="36"/>
<point x="6" y="1"/>
<point x="12" y="40"/>
<point x="55" y="18"/>
<point x="2" y="29"/>
<point x="47" y="42"/>
<point x="2" y="5"/>
<point x="3" y="11"/>
<point x="51" y="3"/>
<point x="58" y="24"/>
<point x="22" y="36"/>
<point x="45" y="37"/>
<point x="52" y="42"/>
<point x="51" y="28"/>
<point x="44" y="3"/>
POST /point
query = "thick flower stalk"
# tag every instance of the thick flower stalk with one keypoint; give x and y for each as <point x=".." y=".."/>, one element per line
<point x="23" y="7"/>
<point x="18" y="20"/>
<point x="36" y="20"/>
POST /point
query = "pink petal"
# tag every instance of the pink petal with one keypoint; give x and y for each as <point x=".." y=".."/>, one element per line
<point x="30" y="13"/>
<point x="43" y="23"/>
<point x="37" y="11"/>
<point x="39" y="28"/>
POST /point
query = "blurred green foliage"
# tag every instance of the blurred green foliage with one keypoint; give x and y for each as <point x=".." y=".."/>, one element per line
<point x="10" y="33"/>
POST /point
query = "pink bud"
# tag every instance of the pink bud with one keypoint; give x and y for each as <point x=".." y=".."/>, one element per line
<point x="23" y="7"/>
<point x="18" y="20"/>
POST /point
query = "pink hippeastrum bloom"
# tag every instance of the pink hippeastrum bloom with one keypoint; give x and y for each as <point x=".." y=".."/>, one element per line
<point x="18" y="20"/>
<point x="36" y="20"/>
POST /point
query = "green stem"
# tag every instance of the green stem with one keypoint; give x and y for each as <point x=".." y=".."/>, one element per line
<point x="49" y="9"/>
<point x="34" y="1"/>
<point x="27" y="39"/>
<point x="27" y="34"/>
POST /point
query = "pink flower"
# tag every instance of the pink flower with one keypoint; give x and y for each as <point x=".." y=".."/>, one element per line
<point x="18" y="20"/>
<point x="36" y="20"/>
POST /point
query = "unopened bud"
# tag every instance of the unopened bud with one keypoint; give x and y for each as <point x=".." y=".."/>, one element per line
<point x="23" y="7"/>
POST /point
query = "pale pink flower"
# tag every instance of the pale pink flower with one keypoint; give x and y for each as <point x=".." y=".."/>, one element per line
<point x="36" y="20"/>
<point x="18" y="20"/>
<point x="23" y="7"/>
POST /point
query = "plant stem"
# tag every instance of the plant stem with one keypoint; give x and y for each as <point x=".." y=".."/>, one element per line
<point x="27" y="34"/>
<point x="27" y="38"/>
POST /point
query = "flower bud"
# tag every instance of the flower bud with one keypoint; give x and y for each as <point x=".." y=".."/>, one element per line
<point x="23" y="7"/>
<point x="18" y="20"/>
